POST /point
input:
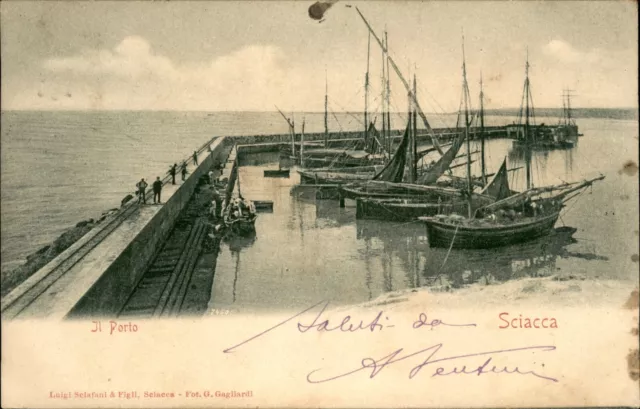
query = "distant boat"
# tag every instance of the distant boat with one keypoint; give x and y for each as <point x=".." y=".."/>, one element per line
<point x="520" y="217"/>
<point x="563" y="136"/>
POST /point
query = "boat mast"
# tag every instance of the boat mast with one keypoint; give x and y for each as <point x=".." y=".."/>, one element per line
<point x="484" y="172"/>
<point x="405" y="83"/>
<point x="564" y="121"/>
<point x="382" y="103"/>
<point x="410" y="157"/>
<point x="302" y="145"/>
<point x="326" y="109"/>
<point x="569" y="119"/>
<point x="366" y="93"/>
<point x="414" y="168"/>
<point x="527" y="136"/>
<point x="388" y="92"/>
<point x="465" y="90"/>
<point x="291" y="131"/>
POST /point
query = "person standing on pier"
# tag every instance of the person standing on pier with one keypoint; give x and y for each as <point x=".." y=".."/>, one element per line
<point x="157" y="188"/>
<point x="142" y="186"/>
<point x="195" y="158"/>
<point x="184" y="170"/>
<point x="217" y="203"/>
<point x="172" y="172"/>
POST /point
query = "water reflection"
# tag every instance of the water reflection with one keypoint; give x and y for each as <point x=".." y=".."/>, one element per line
<point x="312" y="249"/>
<point x="424" y="265"/>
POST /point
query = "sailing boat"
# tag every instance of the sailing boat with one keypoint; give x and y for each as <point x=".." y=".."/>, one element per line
<point x="346" y="165"/>
<point x="566" y="132"/>
<point x="546" y="137"/>
<point x="407" y="209"/>
<point x="520" y="217"/>
<point x="383" y="186"/>
<point x="238" y="214"/>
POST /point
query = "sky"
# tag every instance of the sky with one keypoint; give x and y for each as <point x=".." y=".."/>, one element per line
<point x="242" y="55"/>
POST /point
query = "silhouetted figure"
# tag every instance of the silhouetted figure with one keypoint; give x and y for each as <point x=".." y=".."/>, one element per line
<point x="184" y="171"/>
<point x="195" y="157"/>
<point x="217" y="200"/>
<point x="157" y="188"/>
<point x="172" y="172"/>
<point x="142" y="186"/>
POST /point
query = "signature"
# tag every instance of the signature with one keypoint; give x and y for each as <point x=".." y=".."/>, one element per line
<point x="348" y="324"/>
<point x="376" y="366"/>
<point x="425" y="357"/>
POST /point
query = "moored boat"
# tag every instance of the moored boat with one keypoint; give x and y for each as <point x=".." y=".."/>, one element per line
<point x="405" y="209"/>
<point x="460" y="232"/>
<point x="516" y="218"/>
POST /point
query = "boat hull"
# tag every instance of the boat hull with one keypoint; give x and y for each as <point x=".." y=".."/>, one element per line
<point x="404" y="210"/>
<point x="276" y="173"/>
<point x="242" y="227"/>
<point x="332" y="178"/>
<point x="442" y="234"/>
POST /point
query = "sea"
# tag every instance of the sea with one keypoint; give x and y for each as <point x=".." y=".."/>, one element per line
<point x="59" y="168"/>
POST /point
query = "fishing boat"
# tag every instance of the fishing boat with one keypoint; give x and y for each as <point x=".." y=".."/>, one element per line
<point x="518" y="218"/>
<point x="240" y="226"/>
<point x="238" y="214"/>
<point x="566" y="131"/>
<point x="562" y="136"/>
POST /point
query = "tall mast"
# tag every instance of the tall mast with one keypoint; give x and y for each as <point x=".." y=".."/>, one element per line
<point x="527" y="135"/>
<point x="366" y="93"/>
<point x="382" y="103"/>
<point x="326" y="109"/>
<point x="405" y="83"/>
<point x="484" y="173"/>
<point x="569" y="106"/>
<point x="410" y="158"/>
<point x="302" y="145"/>
<point x="465" y="89"/>
<point x="291" y="130"/>
<point x="414" y="167"/>
<point x="388" y="92"/>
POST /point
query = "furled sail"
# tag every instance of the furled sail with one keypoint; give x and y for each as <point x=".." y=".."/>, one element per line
<point x="394" y="170"/>
<point x="372" y="138"/>
<point x="432" y="175"/>
<point x="498" y="186"/>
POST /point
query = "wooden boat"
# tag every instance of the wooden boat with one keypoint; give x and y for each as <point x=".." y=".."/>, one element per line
<point x="263" y="205"/>
<point x="332" y="178"/>
<point x="405" y="209"/>
<point x="458" y="232"/>
<point x="276" y="173"/>
<point x="242" y="226"/>
<point x="517" y="218"/>
<point x="561" y="136"/>
<point x="238" y="216"/>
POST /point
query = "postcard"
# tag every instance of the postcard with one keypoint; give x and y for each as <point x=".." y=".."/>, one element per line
<point x="319" y="204"/>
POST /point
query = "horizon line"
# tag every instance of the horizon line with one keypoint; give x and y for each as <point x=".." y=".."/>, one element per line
<point x="275" y="111"/>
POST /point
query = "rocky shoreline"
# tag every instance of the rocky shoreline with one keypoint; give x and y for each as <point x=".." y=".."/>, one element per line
<point x="38" y="259"/>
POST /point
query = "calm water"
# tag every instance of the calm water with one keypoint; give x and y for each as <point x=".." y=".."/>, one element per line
<point x="63" y="167"/>
<point x="59" y="168"/>
<point x="309" y="250"/>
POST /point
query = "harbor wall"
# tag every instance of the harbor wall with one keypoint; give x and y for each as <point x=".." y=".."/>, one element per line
<point x="109" y="294"/>
<point x="341" y="138"/>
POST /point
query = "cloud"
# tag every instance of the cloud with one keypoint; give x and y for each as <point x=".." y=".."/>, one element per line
<point x="132" y="58"/>
<point x="565" y="52"/>
<point x="133" y="76"/>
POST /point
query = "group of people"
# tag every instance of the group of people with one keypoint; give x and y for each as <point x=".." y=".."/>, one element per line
<point x="240" y="207"/>
<point x="142" y="188"/>
<point x="142" y="185"/>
